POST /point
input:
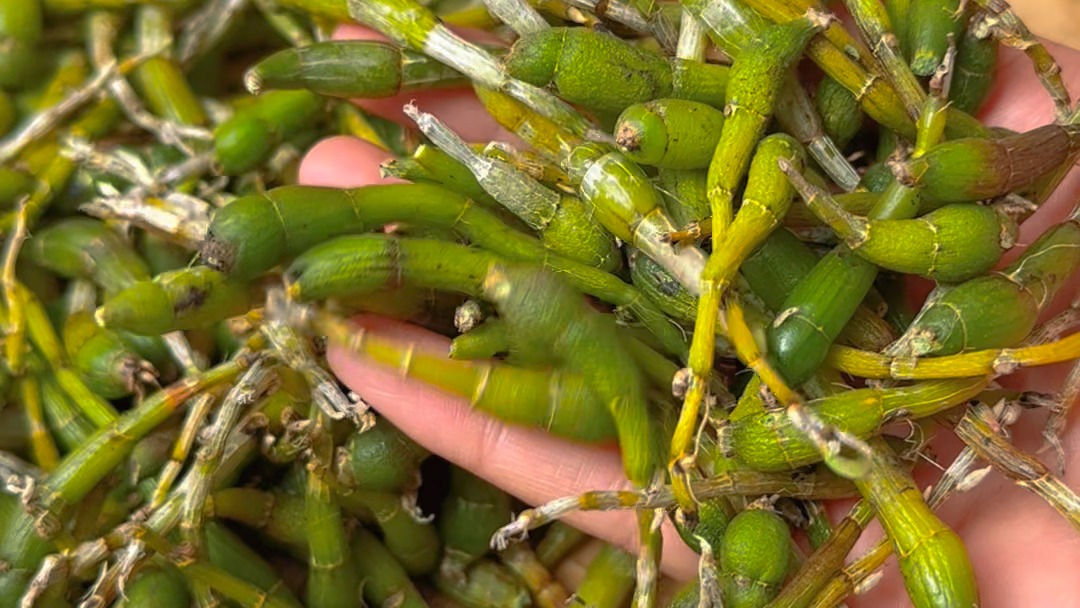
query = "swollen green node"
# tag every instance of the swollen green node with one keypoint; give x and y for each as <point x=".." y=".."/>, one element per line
<point x="382" y="458"/>
<point x="340" y="68"/>
<point x="754" y="558"/>
<point x="670" y="133"/>
<point x="245" y="238"/>
<point x="592" y="69"/>
<point x="242" y="143"/>
<point x="182" y="299"/>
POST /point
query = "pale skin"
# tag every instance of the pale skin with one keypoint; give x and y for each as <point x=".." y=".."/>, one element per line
<point x="1023" y="553"/>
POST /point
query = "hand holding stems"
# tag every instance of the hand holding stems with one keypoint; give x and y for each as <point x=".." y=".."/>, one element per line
<point x="1018" y="561"/>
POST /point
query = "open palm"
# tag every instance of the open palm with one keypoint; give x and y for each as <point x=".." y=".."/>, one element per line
<point x="1023" y="553"/>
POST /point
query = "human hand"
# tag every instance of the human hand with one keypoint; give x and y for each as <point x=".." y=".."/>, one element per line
<point x="1017" y="560"/>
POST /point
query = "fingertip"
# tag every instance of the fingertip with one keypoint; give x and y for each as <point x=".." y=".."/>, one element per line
<point x="354" y="31"/>
<point x="343" y="161"/>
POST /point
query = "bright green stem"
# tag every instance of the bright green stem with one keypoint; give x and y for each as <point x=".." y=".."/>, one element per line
<point x="365" y="69"/>
<point x="769" y="442"/>
<point x="873" y="22"/>
<point x="332" y="578"/>
<point x="933" y="561"/>
<point x="557" y="401"/>
<point x="22" y="546"/>
<point x="381" y="577"/>
<point x="255" y="233"/>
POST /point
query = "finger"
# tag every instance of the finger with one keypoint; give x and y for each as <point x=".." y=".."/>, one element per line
<point x="528" y="463"/>
<point x="344" y="161"/>
<point x="458" y="108"/>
